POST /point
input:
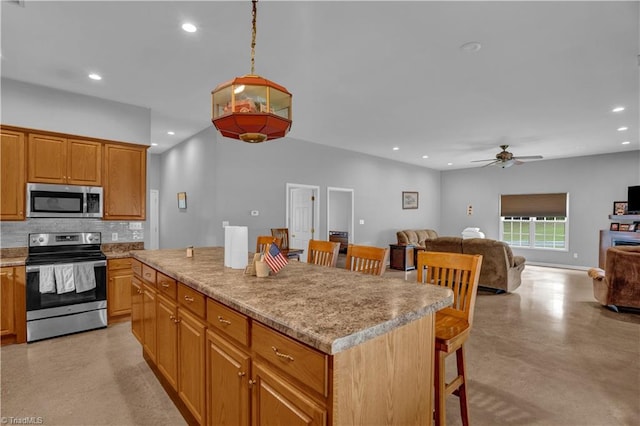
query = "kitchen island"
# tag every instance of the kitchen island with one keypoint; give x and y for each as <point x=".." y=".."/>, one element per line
<point x="310" y="345"/>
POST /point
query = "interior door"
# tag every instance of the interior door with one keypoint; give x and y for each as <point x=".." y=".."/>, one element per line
<point x="302" y="217"/>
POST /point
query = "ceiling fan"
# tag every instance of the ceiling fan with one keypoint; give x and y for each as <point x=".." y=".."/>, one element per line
<point x="506" y="159"/>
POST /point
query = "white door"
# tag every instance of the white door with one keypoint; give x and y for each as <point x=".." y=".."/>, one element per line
<point x="154" y="237"/>
<point x="302" y="216"/>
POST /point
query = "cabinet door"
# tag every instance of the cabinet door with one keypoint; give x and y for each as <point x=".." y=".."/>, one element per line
<point x="119" y="292"/>
<point x="192" y="342"/>
<point x="276" y="401"/>
<point x="47" y="159"/>
<point x="167" y="333"/>
<point x="227" y="383"/>
<point x="136" y="308"/>
<point x="125" y="176"/>
<point x="84" y="162"/>
<point x="12" y="179"/>
<point x="7" y="321"/>
<point x="149" y="321"/>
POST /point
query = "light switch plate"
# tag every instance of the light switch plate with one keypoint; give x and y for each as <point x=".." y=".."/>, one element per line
<point x="114" y="236"/>
<point x="135" y="225"/>
<point x="225" y="223"/>
<point x="361" y="221"/>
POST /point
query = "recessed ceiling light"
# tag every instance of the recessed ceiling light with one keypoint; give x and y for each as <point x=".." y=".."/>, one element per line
<point x="472" y="46"/>
<point x="623" y="128"/>
<point x="618" y="109"/>
<point x="425" y="156"/>
<point x="171" y="132"/>
<point x="154" y="144"/>
<point x="94" y="76"/>
<point x="449" y="164"/>
<point x="395" y="148"/>
<point x="626" y="143"/>
<point x="189" y="27"/>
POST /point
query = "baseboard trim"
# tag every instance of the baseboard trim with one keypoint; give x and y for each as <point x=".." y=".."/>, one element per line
<point x="555" y="265"/>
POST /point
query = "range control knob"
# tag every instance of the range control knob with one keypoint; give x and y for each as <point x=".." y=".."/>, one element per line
<point x="41" y="239"/>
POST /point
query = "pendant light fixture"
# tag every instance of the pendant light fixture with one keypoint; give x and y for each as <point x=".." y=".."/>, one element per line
<point x="251" y="108"/>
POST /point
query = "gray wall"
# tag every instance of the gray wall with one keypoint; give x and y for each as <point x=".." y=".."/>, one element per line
<point x="593" y="184"/>
<point x="44" y="108"/>
<point x="225" y="179"/>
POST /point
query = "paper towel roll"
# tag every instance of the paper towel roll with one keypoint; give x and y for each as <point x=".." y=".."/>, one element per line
<point x="236" y="246"/>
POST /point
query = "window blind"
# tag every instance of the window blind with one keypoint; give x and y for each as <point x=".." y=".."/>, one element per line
<point x="533" y="205"/>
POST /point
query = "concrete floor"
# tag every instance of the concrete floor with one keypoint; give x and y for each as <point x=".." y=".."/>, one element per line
<point x="546" y="354"/>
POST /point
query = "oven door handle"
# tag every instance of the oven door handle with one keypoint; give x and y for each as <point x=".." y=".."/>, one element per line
<point x="36" y="268"/>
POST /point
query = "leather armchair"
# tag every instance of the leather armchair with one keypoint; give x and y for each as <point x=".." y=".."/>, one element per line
<point x="618" y="285"/>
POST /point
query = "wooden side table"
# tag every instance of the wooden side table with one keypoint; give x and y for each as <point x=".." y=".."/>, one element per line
<point x="402" y="257"/>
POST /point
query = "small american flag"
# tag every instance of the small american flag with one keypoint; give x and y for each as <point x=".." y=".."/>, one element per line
<point x="274" y="258"/>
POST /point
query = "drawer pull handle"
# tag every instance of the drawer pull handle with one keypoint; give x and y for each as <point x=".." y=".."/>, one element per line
<point x="139" y="291"/>
<point x="224" y="321"/>
<point x="241" y="373"/>
<point x="281" y="355"/>
<point x="188" y="299"/>
<point x="165" y="285"/>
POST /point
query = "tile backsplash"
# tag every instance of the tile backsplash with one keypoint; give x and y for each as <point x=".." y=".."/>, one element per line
<point x="14" y="234"/>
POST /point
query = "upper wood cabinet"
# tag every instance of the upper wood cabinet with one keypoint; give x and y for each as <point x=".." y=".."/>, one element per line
<point x="13" y="174"/>
<point x="54" y="159"/>
<point x="125" y="175"/>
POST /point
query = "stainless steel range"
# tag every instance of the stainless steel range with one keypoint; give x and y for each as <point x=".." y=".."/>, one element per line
<point x="66" y="284"/>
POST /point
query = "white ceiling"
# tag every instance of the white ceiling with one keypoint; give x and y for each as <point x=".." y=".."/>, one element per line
<point x="365" y="76"/>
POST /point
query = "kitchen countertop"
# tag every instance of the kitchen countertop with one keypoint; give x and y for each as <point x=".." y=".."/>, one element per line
<point x="18" y="256"/>
<point x="330" y="309"/>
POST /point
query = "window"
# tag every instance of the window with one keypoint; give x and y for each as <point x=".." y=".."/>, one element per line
<point x="534" y="221"/>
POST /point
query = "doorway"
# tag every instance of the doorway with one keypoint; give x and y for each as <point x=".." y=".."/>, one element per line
<point x="302" y="215"/>
<point x="340" y="212"/>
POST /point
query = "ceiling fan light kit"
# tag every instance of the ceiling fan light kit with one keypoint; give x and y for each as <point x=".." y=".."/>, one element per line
<point x="251" y="108"/>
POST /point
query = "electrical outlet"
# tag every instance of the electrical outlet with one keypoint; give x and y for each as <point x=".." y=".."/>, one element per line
<point x="114" y="236"/>
<point x="575" y="255"/>
<point x="135" y="225"/>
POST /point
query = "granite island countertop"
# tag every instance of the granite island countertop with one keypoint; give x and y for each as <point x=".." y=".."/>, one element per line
<point x="330" y="309"/>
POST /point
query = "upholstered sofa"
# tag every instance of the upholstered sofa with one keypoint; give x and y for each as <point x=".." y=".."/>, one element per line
<point x="618" y="285"/>
<point x="416" y="237"/>
<point x="500" y="270"/>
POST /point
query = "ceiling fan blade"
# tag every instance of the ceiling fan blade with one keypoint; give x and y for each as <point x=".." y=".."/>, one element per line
<point x="528" y="157"/>
<point x="477" y="161"/>
<point x="492" y="163"/>
<point x="517" y="162"/>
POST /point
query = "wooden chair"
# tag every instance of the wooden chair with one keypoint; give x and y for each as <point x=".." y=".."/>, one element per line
<point x="460" y="273"/>
<point x="323" y="253"/>
<point x="367" y="259"/>
<point x="283" y="234"/>
<point x="263" y="242"/>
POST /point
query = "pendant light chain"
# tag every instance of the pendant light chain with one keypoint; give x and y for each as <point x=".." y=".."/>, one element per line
<point x="253" y="36"/>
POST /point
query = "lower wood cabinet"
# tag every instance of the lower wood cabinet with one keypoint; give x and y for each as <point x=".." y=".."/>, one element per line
<point x="149" y="321"/>
<point x="136" y="308"/>
<point x="167" y="340"/>
<point x="119" y="276"/>
<point x="276" y="401"/>
<point x="191" y="359"/>
<point x="228" y="381"/>
<point x="13" y="318"/>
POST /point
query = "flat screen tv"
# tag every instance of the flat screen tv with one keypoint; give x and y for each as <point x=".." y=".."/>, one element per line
<point x="633" y="200"/>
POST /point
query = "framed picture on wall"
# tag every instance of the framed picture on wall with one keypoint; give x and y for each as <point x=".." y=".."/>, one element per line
<point x="620" y="208"/>
<point x="182" y="200"/>
<point x="614" y="227"/>
<point x="624" y="226"/>
<point x="409" y="200"/>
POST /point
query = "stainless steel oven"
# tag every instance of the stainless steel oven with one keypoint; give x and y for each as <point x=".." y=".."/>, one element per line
<point x="66" y="284"/>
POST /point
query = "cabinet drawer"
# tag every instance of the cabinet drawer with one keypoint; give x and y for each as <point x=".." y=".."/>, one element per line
<point x="228" y="321"/>
<point x="191" y="299"/>
<point x="303" y="363"/>
<point x="149" y="274"/>
<point x="136" y="266"/>
<point x="166" y="285"/>
<point x="124" y="263"/>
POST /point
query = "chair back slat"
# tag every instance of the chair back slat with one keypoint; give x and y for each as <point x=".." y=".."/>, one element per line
<point x="323" y="253"/>
<point x="263" y="241"/>
<point x="283" y="234"/>
<point x="458" y="272"/>
<point x="367" y="259"/>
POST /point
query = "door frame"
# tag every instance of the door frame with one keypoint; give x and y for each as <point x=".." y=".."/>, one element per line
<point x="351" y="229"/>
<point x="316" y="205"/>
<point x="154" y="219"/>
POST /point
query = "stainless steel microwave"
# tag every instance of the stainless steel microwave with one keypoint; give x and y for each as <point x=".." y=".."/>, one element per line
<point x="47" y="200"/>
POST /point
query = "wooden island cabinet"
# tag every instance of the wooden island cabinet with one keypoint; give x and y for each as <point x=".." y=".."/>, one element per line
<point x="234" y="349"/>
